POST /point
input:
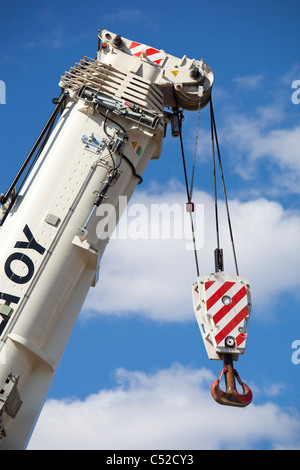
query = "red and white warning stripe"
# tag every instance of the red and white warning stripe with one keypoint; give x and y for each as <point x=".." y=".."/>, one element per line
<point x="152" y="54"/>
<point x="227" y="305"/>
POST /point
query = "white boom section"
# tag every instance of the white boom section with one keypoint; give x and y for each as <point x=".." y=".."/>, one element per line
<point x="112" y="125"/>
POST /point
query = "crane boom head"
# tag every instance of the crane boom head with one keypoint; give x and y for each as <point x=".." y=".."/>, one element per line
<point x="184" y="82"/>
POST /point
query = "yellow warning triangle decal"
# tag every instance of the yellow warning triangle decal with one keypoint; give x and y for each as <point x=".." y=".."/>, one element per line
<point x="174" y="72"/>
<point x="134" y="144"/>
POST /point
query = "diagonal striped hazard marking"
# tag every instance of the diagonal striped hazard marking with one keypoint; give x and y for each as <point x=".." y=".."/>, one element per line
<point x="231" y="325"/>
<point x="218" y="310"/>
<point x="226" y="308"/>
<point x="240" y="339"/>
<point x="218" y="294"/>
<point x="154" y="55"/>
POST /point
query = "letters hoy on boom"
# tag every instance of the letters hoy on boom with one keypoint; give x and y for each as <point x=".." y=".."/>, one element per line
<point x="29" y="244"/>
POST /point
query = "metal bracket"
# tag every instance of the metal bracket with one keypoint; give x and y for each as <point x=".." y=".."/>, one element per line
<point x="94" y="143"/>
<point x="10" y="401"/>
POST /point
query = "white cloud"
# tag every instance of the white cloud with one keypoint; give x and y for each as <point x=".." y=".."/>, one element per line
<point x="133" y="15"/>
<point x="129" y="16"/>
<point x="169" y="409"/>
<point x="249" y="81"/>
<point x="263" y="144"/>
<point x="153" y="278"/>
<point x="252" y="141"/>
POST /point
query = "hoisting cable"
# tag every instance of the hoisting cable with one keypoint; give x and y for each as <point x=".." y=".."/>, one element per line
<point x="188" y="192"/>
<point x="214" y="136"/>
<point x="231" y="397"/>
<point x="195" y="153"/>
<point x="219" y="265"/>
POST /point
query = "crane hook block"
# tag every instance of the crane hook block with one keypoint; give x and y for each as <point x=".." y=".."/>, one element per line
<point x="222" y="307"/>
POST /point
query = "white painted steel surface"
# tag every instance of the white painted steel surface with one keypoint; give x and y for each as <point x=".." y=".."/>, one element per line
<point x="47" y="261"/>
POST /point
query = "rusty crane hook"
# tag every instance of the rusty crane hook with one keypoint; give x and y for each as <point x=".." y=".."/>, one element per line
<point x="231" y="397"/>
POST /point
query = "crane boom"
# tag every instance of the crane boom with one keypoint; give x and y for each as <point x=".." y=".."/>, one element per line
<point x="112" y="123"/>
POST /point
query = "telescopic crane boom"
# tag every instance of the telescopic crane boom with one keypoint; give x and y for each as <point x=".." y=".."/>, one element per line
<point x="108" y="123"/>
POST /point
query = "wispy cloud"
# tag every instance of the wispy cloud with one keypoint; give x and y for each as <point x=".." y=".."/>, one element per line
<point x="256" y="140"/>
<point x="53" y="38"/>
<point x="263" y="142"/>
<point x="249" y="81"/>
<point x="56" y="38"/>
<point x="125" y="14"/>
<point x="130" y="16"/>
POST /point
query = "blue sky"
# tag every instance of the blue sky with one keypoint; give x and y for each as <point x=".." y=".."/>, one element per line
<point x="135" y="372"/>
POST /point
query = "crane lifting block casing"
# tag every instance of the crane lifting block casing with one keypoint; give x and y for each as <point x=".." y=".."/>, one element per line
<point x="222" y="305"/>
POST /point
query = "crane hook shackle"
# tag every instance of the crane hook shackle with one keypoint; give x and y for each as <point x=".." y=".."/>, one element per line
<point x="231" y="397"/>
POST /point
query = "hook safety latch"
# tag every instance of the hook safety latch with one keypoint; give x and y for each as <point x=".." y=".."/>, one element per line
<point x="231" y="397"/>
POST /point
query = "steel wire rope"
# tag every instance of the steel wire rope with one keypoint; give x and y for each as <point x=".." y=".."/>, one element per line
<point x="195" y="152"/>
<point x="215" y="182"/>
<point x="187" y="187"/>
<point x="215" y="137"/>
